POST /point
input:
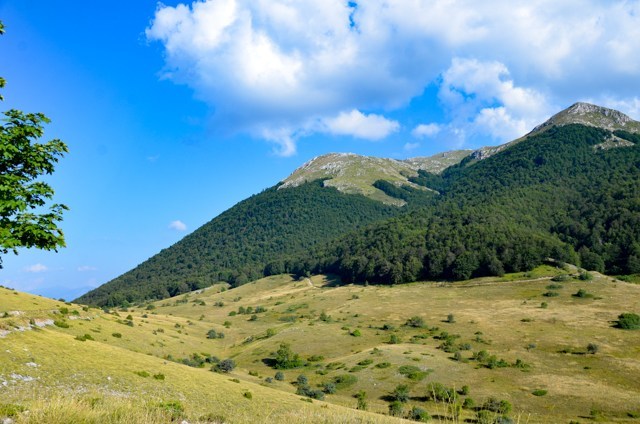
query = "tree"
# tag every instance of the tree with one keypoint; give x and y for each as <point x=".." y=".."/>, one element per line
<point x="24" y="218"/>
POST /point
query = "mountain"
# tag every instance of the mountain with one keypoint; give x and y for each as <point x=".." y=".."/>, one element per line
<point x="253" y="238"/>
<point x="559" y="192"/>
<point x="355" y="174"/>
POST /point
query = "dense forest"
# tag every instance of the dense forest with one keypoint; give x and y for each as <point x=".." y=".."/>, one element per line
<point x="245" y="242"/>
<point x="560" y="194"/>
<point x="556" y="195"/>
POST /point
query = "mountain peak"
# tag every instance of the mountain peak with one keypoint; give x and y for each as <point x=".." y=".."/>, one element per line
<point x="592" y="115"/>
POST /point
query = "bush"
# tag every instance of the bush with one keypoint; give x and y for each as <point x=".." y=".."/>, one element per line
<point x="539" y="392"/>
<point x="279" y="376"/>
<point x="248" y="395"/>
<point x="158" y="376"/>
<point x="362" y="400"/>
<point x="143" y="374"/>
<point x="84" y="338"/>
<point x="394" y="339"/>
<point x="356" y="333"/>
<point x="396" y="408"/>
<point x="174" y="408"/>
<point x="383" y="365"/>
<point x="225" y="366"/>
<point x="628" y="321"/>
<point x="551" y="294"/>
<point x="419" y="414"/>
<point x="440" y="393"/>
<point x="344" y="380"/>
<point x="585" y="276"/>
<point x="329" y="388"/>
<point x="582" y="293"/>
<point x="468" y="403"/>
<point x="116" y="335"/>
<point x="286" y="358"/>
<point x="451" y="319"/>
<point x="412" y="372"/>
<point x="401" y="393"/>
<point x="499" y="406"/>
<point x="415" y="321"/>
<point x="592" y="348"/>
<point x="302" y="380"/>
<point x="61" y="323"/>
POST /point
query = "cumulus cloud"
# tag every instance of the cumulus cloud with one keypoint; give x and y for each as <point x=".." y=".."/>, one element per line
<point x="277" y="68"/>
<point x="177" y="225"/>
<point x="36" y="268"/>
<point x="482" y="99"/>
<point x="426" y="130"/>
<point x="357" y="124"/>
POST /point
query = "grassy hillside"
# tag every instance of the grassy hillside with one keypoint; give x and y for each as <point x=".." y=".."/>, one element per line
<point x="525" y="339"/>
<point x="59" y="379"/>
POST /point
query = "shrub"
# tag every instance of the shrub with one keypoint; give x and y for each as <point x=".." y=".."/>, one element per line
<point x="356" y="333"/>
<point x="383" y="365"/>
<point x="84" y="338"/>
<point x="344" y="380"/>
<point x="582" y="293"/>
<point x="362" y="400"/>
<point x="401" y="393"/>
<point x="365" y="362"/>
<point x="394" y="339"/>
<point x="412" y="372"/>
<point x="158" y="376"/>
<point x="628" y="321"/>
<point x="468" y="403"/>
<point x="439" y="392"/>
<point x="585" y="276"/>
<point x="592" y="348"/>
<point x="419" y="414"/>
<point x="10" y="410"/>
<point x="302" y="380"/>
<point x="498" y="406"/>
<point x="551" y="294"/>
<point x="539" y="392"/>
<point x="143" y="374"/>
<point x="61" y="323"/>
<point x="116" y="335"/>
<point x="464" y="391"/>
<point x="315" y="358"/>
<point x="213" y="334"/>
<point x="415" y="321"/>
<point x="174" y="408"/>
<point x="329" y="388"/>
<point x="396" y="408"/>
<point x="279" y="376"/>
<point x="451" y="319"/>
<point x="225" y="366"/>
<point x="544" y="305"/>
<point x="562" y="277"/>
<point x="271" y="332"/>
<point x="248" y="395"/>
<point x="286" y="358"/>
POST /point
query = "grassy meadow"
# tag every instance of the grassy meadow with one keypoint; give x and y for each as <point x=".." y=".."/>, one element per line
<point x="523" y="339"/>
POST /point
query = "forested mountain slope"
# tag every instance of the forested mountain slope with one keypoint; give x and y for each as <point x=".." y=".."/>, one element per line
<point x="563" y="193"/>
<point x="569" y="190"/>
<point x="238" y="245"/>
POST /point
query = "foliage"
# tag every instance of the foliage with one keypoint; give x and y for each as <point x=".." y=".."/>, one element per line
<point x="628" y="321"/>
<point x="401" y="393"/>
<point x="286" y="358"/>
<point x="225" y="366"/>
<point x="415" y="321"/>
<point x="419" y="414"/>
<point x="26" y="219"/>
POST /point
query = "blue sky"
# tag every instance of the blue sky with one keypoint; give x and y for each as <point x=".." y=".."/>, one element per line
<point x="174" y="112"/>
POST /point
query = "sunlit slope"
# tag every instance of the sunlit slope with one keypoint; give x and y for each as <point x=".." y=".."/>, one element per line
<point x="59" y="378"/>
<point x="504" y="317"/>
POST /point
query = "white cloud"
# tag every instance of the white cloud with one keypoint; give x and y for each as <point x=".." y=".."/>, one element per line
<point x="36" y="268"/>
<point x="177" y="225"/>
<point x="85" y="268"/>
<point x="482" y="99"/>
<point x="275" y="68"/>
<point x="426" y="130"/>
<point x="357" y="124"/>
